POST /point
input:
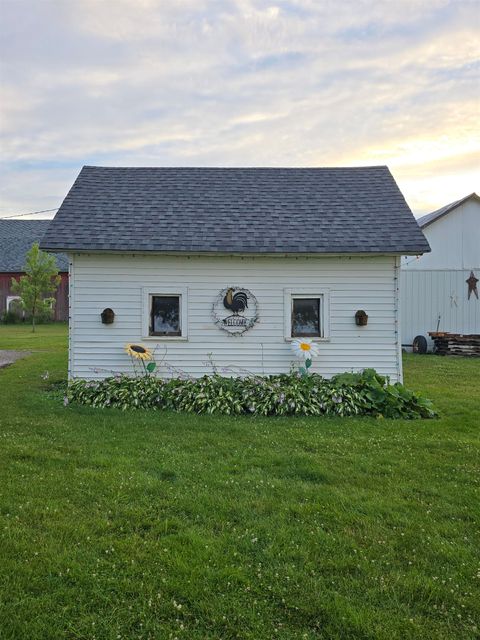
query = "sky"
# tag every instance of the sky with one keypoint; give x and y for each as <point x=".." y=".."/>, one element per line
<point x="291" y="83"/>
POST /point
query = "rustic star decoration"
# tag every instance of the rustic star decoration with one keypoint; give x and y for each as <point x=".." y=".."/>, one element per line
<point x="472" y="285"/>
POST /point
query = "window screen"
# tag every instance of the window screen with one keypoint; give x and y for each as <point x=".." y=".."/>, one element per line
<point x="306" y="319"/>
<point x="165" y="316"/>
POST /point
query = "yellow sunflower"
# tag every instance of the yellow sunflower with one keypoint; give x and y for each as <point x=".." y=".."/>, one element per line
<point x="138" y="351"/>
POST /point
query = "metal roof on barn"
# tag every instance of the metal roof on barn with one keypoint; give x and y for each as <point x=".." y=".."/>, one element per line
<point x="236" y="211"/>
<point x="16" y="238"/>
<point x="428" y="218"/>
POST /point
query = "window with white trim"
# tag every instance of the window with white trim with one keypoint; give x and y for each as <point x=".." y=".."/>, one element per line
<point x="306" y="314"/>
<point x="165" y="314"/>
<point x="11" y="300"/>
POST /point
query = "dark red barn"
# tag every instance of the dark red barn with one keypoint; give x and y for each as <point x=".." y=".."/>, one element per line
<point x="16" y="238"/>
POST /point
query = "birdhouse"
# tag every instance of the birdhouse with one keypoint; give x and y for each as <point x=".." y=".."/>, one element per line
<point x="361" y="318"/>
<point x="108" y="316"/>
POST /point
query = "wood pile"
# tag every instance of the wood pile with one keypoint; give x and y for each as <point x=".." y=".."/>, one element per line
<point x="456" y="344"/>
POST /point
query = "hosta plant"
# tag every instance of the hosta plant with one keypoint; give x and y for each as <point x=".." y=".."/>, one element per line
<point x="348" y="394"/>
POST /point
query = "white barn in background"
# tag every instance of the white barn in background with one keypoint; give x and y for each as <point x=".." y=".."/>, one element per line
<point x="434" y="291"/>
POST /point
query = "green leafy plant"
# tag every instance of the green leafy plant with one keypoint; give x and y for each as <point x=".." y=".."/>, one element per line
<point x="41" y="279"/>
<point x="348" y="394"/>
<point x="121" y="392"/>
<point x="10" y="317"/>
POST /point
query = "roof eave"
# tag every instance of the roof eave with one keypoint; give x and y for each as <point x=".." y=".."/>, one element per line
<point x="273" y="254"/>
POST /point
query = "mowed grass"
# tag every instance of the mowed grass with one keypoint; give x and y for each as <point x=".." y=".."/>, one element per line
<point x="160" y="525"/>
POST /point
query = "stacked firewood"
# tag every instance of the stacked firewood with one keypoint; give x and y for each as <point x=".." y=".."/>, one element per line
<point x="456" y="344"/>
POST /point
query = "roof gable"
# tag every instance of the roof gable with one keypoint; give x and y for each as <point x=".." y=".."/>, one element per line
<point x="240" y="211"/>
<point x="16" y="239"/>
<point x="427" y="219"/>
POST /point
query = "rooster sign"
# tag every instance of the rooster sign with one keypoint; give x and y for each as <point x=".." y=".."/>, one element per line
<point x="235" y="310"/>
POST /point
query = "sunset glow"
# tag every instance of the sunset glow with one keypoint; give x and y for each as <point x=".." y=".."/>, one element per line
<point x="239" y="83"/>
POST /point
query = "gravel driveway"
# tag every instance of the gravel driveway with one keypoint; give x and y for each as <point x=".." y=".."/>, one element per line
<point x="8" y="357"/>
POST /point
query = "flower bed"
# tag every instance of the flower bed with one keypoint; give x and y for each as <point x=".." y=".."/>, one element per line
<point x="348" y="394"/>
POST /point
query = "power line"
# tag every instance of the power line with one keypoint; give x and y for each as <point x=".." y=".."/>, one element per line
<point x="31" y="213"/>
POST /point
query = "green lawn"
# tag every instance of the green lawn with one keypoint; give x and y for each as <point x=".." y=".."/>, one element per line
<point x="160" y="525"/>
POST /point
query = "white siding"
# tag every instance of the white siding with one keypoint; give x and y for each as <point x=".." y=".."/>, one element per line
<point x="434" y="284"/>
<point x="454" y="241"/>
<point x="116" y="281"/>
<point x="426" y="295"/>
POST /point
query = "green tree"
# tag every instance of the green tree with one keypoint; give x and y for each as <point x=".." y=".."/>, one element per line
<point x="41" y="280"/>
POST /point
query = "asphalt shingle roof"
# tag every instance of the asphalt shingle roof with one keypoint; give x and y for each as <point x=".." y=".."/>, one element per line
<point x="427" y="219"/>
<point x="257" y="210"/>
<point x="16" y="238"/>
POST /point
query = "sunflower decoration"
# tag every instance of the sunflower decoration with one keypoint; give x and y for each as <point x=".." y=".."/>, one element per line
<point x="305" y="349"/>
<point x="138" y="351"/>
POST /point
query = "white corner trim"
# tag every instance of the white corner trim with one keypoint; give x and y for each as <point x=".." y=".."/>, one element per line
<point x="165" y="291"/>
<point x="71" y="314"/>
<point x="398" y="330"/>
<point x="301" y="292"/>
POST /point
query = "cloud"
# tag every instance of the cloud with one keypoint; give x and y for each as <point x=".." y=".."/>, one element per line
<point x="286" y="83"/>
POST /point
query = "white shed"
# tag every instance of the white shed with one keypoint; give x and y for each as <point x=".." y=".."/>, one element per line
<point x="435" y="292"/>
<point x="224" y="267"/>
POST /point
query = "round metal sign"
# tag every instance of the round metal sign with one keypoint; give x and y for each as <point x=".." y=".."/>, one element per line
<point x="235" y="310"/>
